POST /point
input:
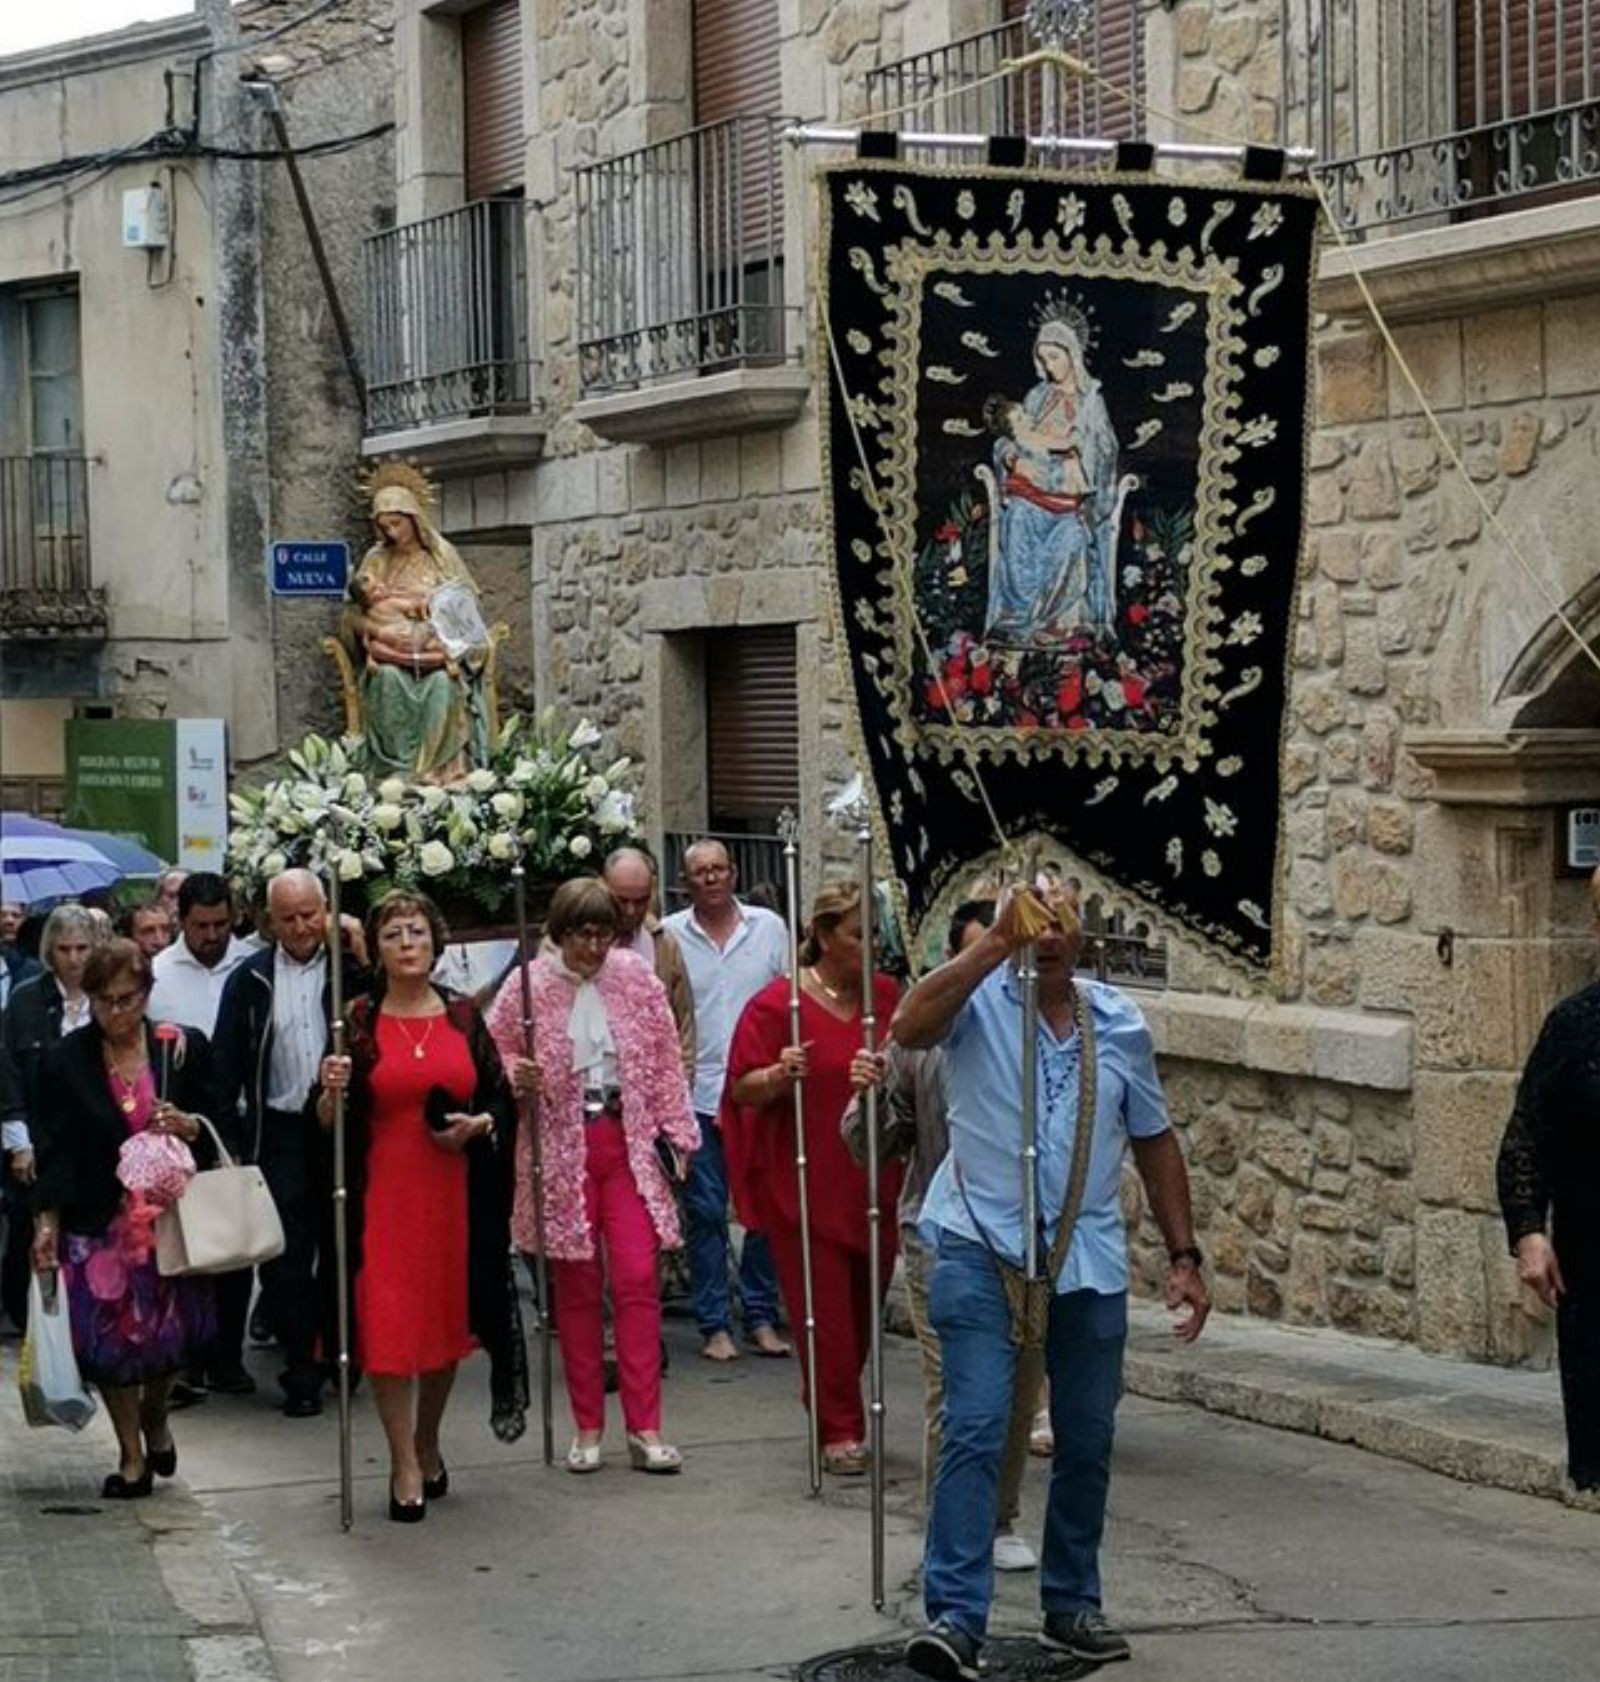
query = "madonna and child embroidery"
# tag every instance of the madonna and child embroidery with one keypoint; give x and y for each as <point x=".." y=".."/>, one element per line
<point x="1069" y="558"/>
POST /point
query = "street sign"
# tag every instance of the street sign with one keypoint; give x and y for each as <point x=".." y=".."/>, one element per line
<point x="308" y="569"/>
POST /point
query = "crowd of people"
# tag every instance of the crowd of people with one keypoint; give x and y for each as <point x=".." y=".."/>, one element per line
<point x="611" y="1105"/>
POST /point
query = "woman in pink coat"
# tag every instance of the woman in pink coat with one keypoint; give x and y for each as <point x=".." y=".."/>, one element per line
<point x="608" y="1074"/>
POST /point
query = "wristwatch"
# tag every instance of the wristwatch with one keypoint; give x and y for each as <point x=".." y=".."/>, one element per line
<point x="1189" y="1253"/>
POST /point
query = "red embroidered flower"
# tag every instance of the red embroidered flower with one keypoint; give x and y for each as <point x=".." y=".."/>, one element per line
<point x="934" y="694"/>
<point x="1133" y="691"/>
<point x="982" y="678"/>
<point x="1138" y="613"/>
<point x="1070" y="693"/>
<point x="1027" y="721"/>
<point x="948" y="532"/>
<point x="1077" y="722"/>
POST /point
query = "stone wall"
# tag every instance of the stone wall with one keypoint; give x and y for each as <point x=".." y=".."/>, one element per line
<point x="336" y="77"/>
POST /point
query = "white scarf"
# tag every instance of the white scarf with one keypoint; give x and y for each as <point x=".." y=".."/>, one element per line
<point x="594" y="1052"/>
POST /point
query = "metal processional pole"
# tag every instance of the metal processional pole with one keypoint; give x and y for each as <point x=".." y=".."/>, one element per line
<point x="869" y="1043"/>
<point x="341" y="1196"/>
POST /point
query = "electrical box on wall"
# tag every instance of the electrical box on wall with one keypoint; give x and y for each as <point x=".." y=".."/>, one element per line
<point x="1578" y="840"/>
<point x="144" y="219"/>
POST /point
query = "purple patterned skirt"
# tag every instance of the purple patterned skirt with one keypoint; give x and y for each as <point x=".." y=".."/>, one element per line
<point x="129" y="1324"/>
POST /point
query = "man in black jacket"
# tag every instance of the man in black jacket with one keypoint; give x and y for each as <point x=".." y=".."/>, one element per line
<point x="272" y="1032"/>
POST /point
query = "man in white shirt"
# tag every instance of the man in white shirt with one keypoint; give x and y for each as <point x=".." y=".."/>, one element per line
<point x="192" y="972"/>
<point x="731" y="951"/>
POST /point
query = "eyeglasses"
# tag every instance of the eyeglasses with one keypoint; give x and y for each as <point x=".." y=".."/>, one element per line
<point x="710" y="873"/>
<point x="591" y="936"/>
<point x="120" y="1001"/>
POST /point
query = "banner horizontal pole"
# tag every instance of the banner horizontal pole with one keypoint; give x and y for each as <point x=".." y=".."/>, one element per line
<point x="817" y="134"/>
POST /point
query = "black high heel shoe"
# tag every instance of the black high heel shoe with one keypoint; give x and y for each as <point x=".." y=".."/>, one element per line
<point x="406" y="1512"/>
<point x="118" y="1488"/>
<point x="435" y="1489"/>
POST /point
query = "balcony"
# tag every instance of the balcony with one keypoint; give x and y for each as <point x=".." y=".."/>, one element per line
<point x="45" y="589"/>
<point x="950" y="89"/>
<point x="683" y="331"/>
<point x="1443" y="111"/>
<point x="450" y="369"/>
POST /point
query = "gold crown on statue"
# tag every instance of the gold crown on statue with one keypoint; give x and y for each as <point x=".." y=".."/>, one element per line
<point x="1064" y="308"/>
<point x="400" y="475"/>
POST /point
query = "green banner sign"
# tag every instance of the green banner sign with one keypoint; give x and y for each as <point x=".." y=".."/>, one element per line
<point x="122" y="776"/>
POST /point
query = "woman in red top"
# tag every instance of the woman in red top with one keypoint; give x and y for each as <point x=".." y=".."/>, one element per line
<point x="429" y="1132"/>
<point x="758" y="1126"/>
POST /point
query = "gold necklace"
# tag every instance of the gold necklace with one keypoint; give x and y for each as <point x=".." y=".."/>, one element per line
<point x="418" y="1046"/>
<point x="129" y="1101"/>
<point x="834" y="993"/>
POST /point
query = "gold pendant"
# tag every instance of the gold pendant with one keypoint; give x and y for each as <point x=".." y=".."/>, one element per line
<point x="416" y="1051"/>
<point x="128" y="1104"/>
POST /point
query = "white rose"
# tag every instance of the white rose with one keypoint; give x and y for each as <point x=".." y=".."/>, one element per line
<point x="433" y="797"/>
<point x="507" y="805"/>
<point x="482" y="780"/>
<point x="355" y="785"/>
<point x="435" y="859"/>
<point x="502" y="847"/>
<point x="580" y="846"/>
<point x="387" y="816"/>
<point x="585" y="736"/>
<point x="597" y="788"/>
<point x="524" y="771"/>
<point x="274" y="864"/>
<point x="392" y="790"/>
<point x="350" y="865"/>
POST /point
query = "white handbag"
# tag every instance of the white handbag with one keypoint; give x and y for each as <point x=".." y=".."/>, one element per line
<point x="225" y="1220"/>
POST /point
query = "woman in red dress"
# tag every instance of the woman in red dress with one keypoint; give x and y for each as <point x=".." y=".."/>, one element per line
<point x="429" y="1147"/>
<point x="758" y="1124"/>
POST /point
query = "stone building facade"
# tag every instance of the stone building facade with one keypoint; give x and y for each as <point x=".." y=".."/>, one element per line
<point x="1341" y="1128"/>
<point x="170" y="411"/>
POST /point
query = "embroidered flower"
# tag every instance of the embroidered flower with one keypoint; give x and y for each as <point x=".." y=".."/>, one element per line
<point x="1210" y="863"/>
<point x="1245" y="629"/>
<point x="1267" y="220"/>
<point x="966" y="205"/>
<point x="1070" y="213"/>
<point x="1220" y="819"/>
<point x="862" y="200"/>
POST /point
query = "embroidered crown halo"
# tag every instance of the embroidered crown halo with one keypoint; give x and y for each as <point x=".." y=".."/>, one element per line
<point x="1063" y="309"/>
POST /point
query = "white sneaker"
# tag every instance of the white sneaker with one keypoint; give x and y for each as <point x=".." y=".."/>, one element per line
<point x="1011" y="1553"/>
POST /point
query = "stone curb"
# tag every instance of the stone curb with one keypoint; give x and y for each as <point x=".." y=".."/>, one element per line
<point x="1413" y="1427"/>
<point x="193" y="1561"/>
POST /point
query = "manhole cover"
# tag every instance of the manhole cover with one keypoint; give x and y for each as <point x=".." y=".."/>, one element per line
<point x="1006" y="1659"/>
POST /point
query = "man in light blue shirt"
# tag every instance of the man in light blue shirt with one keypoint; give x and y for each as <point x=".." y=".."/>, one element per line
<point x="972" y="1007"/>
<point x="731" y="951"/>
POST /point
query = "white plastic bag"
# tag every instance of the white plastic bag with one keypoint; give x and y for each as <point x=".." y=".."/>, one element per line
<point x="52" y="1391"/>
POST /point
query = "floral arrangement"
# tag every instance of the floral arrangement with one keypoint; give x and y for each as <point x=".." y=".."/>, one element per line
<point x="542" y="793"/>
<point x="1129" y="681"/>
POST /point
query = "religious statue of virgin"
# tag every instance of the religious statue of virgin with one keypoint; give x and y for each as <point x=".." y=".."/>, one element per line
<point x="415" y="631"/>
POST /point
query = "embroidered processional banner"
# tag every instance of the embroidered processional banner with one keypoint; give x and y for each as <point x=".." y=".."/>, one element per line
<point x="1064" y="446"/>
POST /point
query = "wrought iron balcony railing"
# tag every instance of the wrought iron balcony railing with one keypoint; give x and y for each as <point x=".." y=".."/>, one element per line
<point x="680" y="258"/>
<point x="964" y="87"/>
<point x="44" y="524"/>
<point x="447" y="318"/>
<point x="1443" y="108"/>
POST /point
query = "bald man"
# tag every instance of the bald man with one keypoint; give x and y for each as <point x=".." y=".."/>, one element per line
<point x="631" y="877"/>
<point x="272" y="1032"/>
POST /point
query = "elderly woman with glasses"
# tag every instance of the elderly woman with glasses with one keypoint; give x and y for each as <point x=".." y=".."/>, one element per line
<point x="132" y="1329"/>
<point x="616" y="1128"/>
<point x="40" y="1010"/>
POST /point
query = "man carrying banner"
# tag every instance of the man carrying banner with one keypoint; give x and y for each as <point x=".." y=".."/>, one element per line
<point x="1097" y="1091"/>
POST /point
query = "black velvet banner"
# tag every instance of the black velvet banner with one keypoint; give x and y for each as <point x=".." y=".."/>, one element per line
<point x="1067" y="562"/>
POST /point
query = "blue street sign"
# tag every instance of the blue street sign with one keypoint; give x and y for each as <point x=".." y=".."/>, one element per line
<point x="308" y="569"/>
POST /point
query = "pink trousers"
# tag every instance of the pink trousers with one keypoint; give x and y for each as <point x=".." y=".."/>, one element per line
<point x="625" y="1255"/>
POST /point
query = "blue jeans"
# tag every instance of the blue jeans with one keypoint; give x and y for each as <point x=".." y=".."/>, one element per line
<point x="1083" y="1359"/>
<point x="705" y="1208"/>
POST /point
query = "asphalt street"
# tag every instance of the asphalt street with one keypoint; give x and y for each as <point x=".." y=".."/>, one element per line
<point x="1234" y="1551"/>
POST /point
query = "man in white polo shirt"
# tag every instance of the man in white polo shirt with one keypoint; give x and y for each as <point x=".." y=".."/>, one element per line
<point x="192" y="972"/>
<point x="731" y="951"/>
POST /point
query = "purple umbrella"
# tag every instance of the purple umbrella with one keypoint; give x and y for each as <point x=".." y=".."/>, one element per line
<point x="41" y="861"/>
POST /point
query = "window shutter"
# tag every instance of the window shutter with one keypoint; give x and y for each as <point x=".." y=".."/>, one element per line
<point x="491" y="81"/>
<point x="1555" y="52"/>
<point x="753" y="725"/>
<point x="736" y="59"/>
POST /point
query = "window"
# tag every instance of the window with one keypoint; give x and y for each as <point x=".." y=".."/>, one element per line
<point x="491" y="85"/>
<point x="43" y="489"/>
<point x="752" y="727"/>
